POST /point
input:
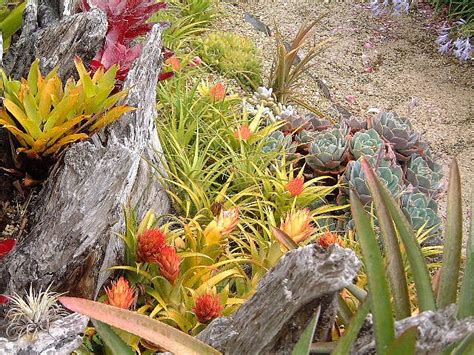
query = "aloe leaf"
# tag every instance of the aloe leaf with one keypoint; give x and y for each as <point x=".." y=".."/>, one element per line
<point x="419" y="269"/>
<point x="449" y="275"/>
<point x="116" y="345"/>
<point x="150" y="329"/>
<point x="395" y="267"/>
<point x="405" y="343"/>
<point x="344" y="344"/>
<point x="379" y="295"/>
<point x="466" y="295"/>
<point x="303" y="345"/>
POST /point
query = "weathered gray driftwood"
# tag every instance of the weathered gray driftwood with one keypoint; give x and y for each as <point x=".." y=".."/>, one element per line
<point x="273" y="319"/>
<point x="436" y="331"/>
<point x="80" y="208"/>
<point x="55" y="39"/>
<point x="62" y="338"/>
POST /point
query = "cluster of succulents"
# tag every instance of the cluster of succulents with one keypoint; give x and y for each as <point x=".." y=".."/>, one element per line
<point x="400" y="158"/>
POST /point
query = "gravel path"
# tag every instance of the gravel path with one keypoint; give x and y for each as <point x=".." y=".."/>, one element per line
<point x="390" y="63"/>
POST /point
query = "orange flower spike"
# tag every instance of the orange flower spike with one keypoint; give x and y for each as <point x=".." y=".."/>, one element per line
<point x="207" y="308"/>
<point x="217" y="92"/>
<point x="243" y="133"/>
<point x="298" y="225"/>
<point x="174" y="63"/>
<point x="169" y="262"/>
<point x="150" y="244"/>
<point x="120" y="294"/>
<point x="295" y="187"/>
<point x="328" y="239"/>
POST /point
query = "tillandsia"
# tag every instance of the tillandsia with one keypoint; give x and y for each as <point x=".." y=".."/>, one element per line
<point x="32" y="313"/>
<point x="44" y="115"/>
<point x="128" y="20"/>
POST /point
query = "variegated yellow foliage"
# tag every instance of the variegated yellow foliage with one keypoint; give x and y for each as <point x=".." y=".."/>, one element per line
<point x="45" y="116"/>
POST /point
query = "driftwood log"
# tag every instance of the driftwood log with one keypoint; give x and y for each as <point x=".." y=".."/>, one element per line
<point x="273" y="319"/>
<point x="79" y="210"/>
<point x="436" y="331"/>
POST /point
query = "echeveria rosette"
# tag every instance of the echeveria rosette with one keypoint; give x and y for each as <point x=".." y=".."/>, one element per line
<point x="391" y="175"/>
<point x="398" y="131"/>
<point x="328" y="152"/>
<point x="424" y="174"/>
<point x="421" y="210"/>
<point x="277" y="141"/>
<point x="366" y="143"/>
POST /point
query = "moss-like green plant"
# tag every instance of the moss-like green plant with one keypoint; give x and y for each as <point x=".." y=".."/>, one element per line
<point x="234" y="56"/>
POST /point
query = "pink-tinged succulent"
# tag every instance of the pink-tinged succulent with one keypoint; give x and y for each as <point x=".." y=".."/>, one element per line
<point x="207" y="308"/>
<point x="149" y="246"/>
<point x="6" y="246"/>
<point x="120" y="294"/>
<point x="295" y="187"/>
<point x="128" y="19"/>
<point x="169" y="263"/>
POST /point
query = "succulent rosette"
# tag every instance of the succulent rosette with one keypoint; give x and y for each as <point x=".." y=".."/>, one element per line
<point x="328" y="152"/>
<point x="366" y="143"/>
<point x="422" y="211"/>
<point x="424" y="174"/>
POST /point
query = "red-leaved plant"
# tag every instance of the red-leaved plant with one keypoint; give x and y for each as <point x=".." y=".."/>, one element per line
<point x="6" y="246"/>
<point x="128" y="19"/>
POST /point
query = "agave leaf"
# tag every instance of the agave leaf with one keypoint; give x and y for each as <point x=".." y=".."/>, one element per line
<point x="449" y="274"/>
<point x="405" y="343"/>
<point x="29" y="125"/>
<point x="115" y="344"/>
<point x="466" y="295"/>
<point x="379" y="295"/>
<point x="426" y="299"/>
<point x="152" y="330"/>
<point x="303" y="345"/>
<point x="344" y="344"/>
<point x="64" y="141"/>
<point x="395" y="267"/>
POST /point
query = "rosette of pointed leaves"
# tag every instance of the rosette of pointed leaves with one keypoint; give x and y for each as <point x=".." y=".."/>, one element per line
<point x="366" y="143"/>
<point x="398" y="131"/>
<point x="421" y="209"/>
<point x="328" y="152"/>
<point x="353" y="124"/>
<point x="277" y="141"/>
<point x="424" y="174"/>
<point x="390" y="174"/>
<point x="294" y="122"/>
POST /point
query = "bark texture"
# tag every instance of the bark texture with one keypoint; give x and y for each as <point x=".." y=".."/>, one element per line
<point x="436" y="331"/>
<point x="273" y="319"/>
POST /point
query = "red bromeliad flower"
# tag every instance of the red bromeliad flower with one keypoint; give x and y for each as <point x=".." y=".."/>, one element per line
<point x="169" y="263"/>
<point x="243" y="133"/>
<point x="150" y="244"/>
<point x="328" y="239"/>
<point x="217" y="92"/>
<point x="6" y="246"/>
<point x="128" y="19"/>
<point x="4" y="299"/>
<point x="120" y="294"/>
<point x="295" y="187"/>
<point x="116" y="53"/>
<point x="208" y="307"/>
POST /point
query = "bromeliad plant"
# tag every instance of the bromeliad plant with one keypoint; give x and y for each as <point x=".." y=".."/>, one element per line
<point x="45" y="116"/>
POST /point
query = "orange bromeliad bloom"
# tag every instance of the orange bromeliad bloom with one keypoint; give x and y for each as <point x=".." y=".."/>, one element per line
<point x="298" y="225"/>
<point x="150" y="244"/>
<point x="174" y="63"/>
<point x="169" y="262"/>
<point x="120" y="294"/>
<point x="295" y="187"/>
<point x="217" y="92"/>
<point x="328" y="239"/>
<point x="207" y="308"/>
<point x="243" y="133"/>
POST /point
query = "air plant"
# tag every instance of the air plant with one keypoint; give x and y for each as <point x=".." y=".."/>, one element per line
<point x="32" y="313"/>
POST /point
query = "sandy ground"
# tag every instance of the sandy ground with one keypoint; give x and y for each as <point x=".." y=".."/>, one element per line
<point x="409" y="76"/>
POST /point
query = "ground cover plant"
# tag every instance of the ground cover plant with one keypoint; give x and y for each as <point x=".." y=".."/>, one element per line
<point x="250" y="178"/>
